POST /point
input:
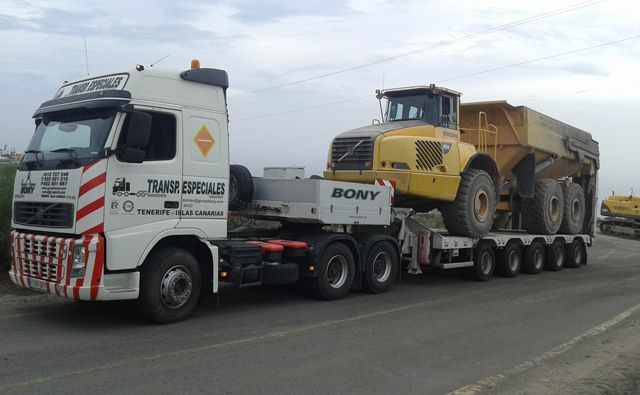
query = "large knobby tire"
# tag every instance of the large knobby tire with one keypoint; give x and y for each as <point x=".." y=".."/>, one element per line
<point x="170" y="285"/>
<point x="484" y="262"/>
<point x="381" y="267"/>
<point x="574" y="209"/>
<point x="240" y="187"/>
<point x="473" y="211"/>
<point x="509" y="260"/>
<point x="336" y="270"/>
<point x="533" y="258"/>
<point x="575" y="254"/>
<point x="543" y="213"/>
<point x="554" y="257"/>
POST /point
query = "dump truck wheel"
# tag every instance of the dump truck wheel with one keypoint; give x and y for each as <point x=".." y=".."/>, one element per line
<point x="575" y="254"/>
<point x="554" y="258"/>
<point x="543" y="213"/>
<point x="573" y="213"/>
<point x="381" y="267"/>
<point x="509" y="260"/>
<point x="533" y="258"/>
<point x="240" y="187"/>
<point x="473" y="211"/>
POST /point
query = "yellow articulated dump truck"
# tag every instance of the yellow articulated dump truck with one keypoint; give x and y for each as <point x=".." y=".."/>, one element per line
<point x="622" y="215"/>
<point x="484" y="165"/>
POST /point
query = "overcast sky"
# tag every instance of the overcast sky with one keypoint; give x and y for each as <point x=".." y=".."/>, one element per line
<point x="263" y="44"/>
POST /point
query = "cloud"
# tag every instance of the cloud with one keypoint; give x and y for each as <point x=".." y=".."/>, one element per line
<point x="259" y="11"/>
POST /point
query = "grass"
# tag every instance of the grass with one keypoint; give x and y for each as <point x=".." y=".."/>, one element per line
<point x="7" y="174"/>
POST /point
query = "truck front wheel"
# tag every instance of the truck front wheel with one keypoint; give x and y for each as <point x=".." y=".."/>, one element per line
<point x="473" y="211"/>
<point x="170" y="284"/>
<point x="336" y="271"/>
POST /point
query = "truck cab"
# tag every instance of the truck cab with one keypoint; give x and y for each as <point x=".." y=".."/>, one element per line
<point x="118" y="163"/>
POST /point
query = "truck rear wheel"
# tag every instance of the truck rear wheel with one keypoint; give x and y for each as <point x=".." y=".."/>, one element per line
<point x="336" y="271"/>
<point x="240" y="187"/>
<point x="509" y="260"/>
<point x="575" y="254"/>
<point x="533" y="258"/>
<point x="554" y="259"/>
<point x="484" y="262"/>
<point x="543" y="213"/>
<point x="574" y="206"/>
<point x="473" y="211"/>
<point x="381" y="267"/>
<point x="170" y="285"/>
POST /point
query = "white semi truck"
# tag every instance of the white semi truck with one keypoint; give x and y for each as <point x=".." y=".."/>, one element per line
<point x="126" y="188"/>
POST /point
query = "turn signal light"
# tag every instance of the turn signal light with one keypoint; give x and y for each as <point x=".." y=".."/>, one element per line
<point x="312" y="268"/>
<point x="224" y="274"/>
<point x="368" y="164"/>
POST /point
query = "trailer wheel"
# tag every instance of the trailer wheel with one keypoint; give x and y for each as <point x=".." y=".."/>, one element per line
<point x="575" y="254"/>
<point x="533" y="258"/>
<point x="574" y="209"/>
<point x="473" y="211"/>
<point x="509" y="260"/>
<point x="543" y="213"/>
<point x="170" y="285"/>
<point x="554" y="259"/>
<point x="484" y="262"/>
<point x="336" y="271"/>
<point x="381" y="267"/>
<point x="240" y="187"/>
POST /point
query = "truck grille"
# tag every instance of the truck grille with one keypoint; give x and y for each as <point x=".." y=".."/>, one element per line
<point x="351" y="153"/>
<point x="53" y="215"/>
<point x="41" y="257"/>
<point x="428" y="154"/>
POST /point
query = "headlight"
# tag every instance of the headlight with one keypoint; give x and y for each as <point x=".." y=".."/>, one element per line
<point x="78" y="262"/>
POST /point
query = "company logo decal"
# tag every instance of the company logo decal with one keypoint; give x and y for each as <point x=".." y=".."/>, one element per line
<point x="26" y="186"/>
<point x="204" y="140"/>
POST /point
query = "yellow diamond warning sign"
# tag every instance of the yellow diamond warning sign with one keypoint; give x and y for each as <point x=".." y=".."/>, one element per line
<point x="204" y="140"/>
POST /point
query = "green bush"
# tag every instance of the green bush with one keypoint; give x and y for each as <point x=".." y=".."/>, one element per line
<point x="7" y="174"/>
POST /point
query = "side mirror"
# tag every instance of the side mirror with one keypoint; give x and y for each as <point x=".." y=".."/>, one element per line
<point x="132" y="155"/>
<point x="139" y="129"/>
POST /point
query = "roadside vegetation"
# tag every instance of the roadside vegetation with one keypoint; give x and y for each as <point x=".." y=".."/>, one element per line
<point x="7" y="173"/>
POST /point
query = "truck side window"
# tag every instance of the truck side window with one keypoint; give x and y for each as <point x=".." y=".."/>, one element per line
<point x="162" y="144"/>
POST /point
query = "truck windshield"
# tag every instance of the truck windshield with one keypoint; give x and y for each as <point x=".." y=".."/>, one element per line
<point x="412" y="107"/>
<point x="68" y="140"/>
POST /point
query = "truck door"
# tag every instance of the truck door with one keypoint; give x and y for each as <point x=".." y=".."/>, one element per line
<point x="139" y="194"/>
<point x="205" y="172"/>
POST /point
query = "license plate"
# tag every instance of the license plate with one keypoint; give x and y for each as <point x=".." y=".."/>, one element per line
<point x="38" y="285"/>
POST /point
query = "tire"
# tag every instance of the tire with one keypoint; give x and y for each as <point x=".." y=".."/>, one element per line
<point x="381" y="267"/>
<point x="240" y="187"/>
<point x="533" y="258"/>
<point x="509" y="260"/>
<point x="170" y="285"/>
<point x="574" y="209"/>
<point x="554" y="257"/>
<point x="543" y="213"/>
<point x="484" y="262"/>
<point x="575" y="254"/>
<point x="473" y="211"/>
<point x="336" y="271"/>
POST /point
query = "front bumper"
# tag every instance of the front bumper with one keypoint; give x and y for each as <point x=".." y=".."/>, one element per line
<point x="43" y="263"/>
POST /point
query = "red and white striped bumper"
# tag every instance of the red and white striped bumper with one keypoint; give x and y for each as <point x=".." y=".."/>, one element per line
<point x="43" y="263"/>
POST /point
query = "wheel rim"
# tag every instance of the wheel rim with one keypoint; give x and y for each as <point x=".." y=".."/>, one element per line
<point x="337" y="270"/>
<point x="559" y="257"/>
<point x="481" y="205"/>
<point x="514" y="261"/>
<point x="176" y="286"/>
<point x="486" y="263"/>
<point x="554" y="208"/>
<point x="575" y="210"/>
<point x="538" y="259"/>
<point x="382" y="267"/>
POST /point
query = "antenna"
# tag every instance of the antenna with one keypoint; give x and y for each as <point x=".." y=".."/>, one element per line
<point x="86" y="55"/>
<point x="159" y="60"/>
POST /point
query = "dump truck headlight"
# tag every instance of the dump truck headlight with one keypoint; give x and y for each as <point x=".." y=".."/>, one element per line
<point x="78" y="262"/>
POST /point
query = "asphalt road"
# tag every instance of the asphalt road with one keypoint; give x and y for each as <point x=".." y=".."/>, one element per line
<point x="432" y="334"/>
